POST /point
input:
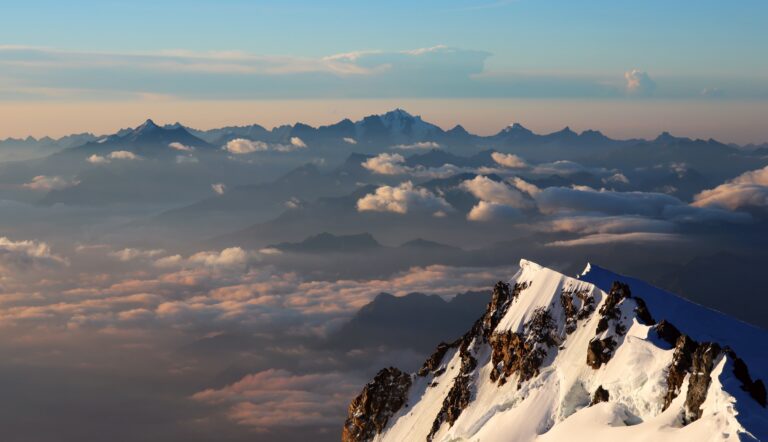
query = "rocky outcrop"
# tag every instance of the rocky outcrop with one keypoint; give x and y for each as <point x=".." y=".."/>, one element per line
<point x="682" y="359"/>
<point x="519" y="355"/>
<point x="612" y="326"/>
<point x="600" y="395"/>
<point x="667" y="332"/>
<point x="433" y="362"/>
<point x="599" y="352"/>
<point x="698" y="360"/>
<point x="501" y="299"/>
<point x="756" y="389"/>
<point x="460" y="394"/>
<point x="522" y="353"/>
<point x="610" y="311"/>
<point x="702" y="362"/>
<point x="380" y="399"/>
<point x="573" y="314"/>
<point x="642" y="313"/>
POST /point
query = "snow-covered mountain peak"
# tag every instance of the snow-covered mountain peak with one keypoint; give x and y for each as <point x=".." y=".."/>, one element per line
<point x="148" y="125"/>
<point x="596" y="357"/>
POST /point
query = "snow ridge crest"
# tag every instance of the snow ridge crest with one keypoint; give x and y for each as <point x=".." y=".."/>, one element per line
<point x="559" y="358"/>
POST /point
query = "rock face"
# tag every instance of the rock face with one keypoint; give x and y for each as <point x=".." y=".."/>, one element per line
<point x="433" y="362"/>
<point x="533" y="345"/>
<point x="460" y="393"/>
<point x="370" y="411"/>
<point x="573" y="314"/>
<point x="756" y="389"/>
<point x="600" y="395"/>
<point x="522" y="353"/>
<point x="667" y="332"/>
<point x="702" y="363"/>
<point x="599" y="352"/>
<point x="682" y="360"/>
<point x="501" y="299"/>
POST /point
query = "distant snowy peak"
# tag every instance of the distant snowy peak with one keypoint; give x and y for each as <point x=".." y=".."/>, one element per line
<point x="600" y="357"/>
<point x="398" y="124"/>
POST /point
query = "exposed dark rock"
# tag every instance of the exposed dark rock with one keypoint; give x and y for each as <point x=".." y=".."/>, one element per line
<point x="642" y="313"/>
<point x="667" y="332"/>
<point x="460" y="394"/>
<point x="599" y="352"/>
<point x="566" y="300"/>
<point x="601" y="395"/>
<point x="501" y="299"/>
<point x="587" y="304"/>
<point x="380" y="399"/>
<point x="610" y="308"/>
<point x="756" y="389"/>
<point x="702" y="363"/>
<point x="573" y="314"/>
<point x="522" y="353"/>
<point x="434" y="360"/>
<point x="682" y="360"/>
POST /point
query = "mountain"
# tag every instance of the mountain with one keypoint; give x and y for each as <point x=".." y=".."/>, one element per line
<point x="329" y="243"/>
<point x="147" y="140"/>
<point x="397" y="126"/>
<point x="414" y="321"/>
<point x="600" y="357"/>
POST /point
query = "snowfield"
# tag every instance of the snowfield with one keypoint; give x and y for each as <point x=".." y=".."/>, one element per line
<point x="558" y="402"/>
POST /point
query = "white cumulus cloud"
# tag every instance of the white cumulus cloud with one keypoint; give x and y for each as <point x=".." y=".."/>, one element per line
<point x="402" y="199"/>
<point x="46" y="183"/>
<point x="639" y="83"/>
<point x="509" y="160"/>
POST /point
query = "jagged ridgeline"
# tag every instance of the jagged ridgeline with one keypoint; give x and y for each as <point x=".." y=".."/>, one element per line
<point x="600" y="357"/>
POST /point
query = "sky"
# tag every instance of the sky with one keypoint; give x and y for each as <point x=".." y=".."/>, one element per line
<point x="101" y="65"/>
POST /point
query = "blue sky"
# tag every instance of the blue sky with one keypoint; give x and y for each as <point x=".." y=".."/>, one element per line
<point x="120" y="51"/>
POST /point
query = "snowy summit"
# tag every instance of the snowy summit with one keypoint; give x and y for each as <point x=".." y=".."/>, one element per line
<point x="600" y="357"/>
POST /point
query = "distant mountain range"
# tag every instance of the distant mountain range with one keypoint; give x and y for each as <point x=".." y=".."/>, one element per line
<point x="396" y="127"/>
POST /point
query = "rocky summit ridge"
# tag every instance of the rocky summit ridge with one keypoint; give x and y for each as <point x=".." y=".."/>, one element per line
<point x="599" y="357"/>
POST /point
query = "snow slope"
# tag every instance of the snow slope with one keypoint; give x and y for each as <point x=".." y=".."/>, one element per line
<point x="533" y="367"/>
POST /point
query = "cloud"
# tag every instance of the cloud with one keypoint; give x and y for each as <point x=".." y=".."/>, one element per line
<point x="298" y="143"/>
<point x="386" y="164"/>
<point x="97" y="159"/>
<point x="123" y="155"/>
<point x="567" y="167"/>
<point x="524" y="186"/>
<point x="486" y="189"/>
<point x="418" y="146"/>
<point x="639" y="83"/>
<point x="487" y="211"/>
<point x="402" y="199"/>
<point x="613" y="238"/>
<point x="350" y="140"/>
<point x="616" y="178"/>
<point x="603" y="225"/>
<point x="747" y="191"/>
<point x="27" y="255"/>
<point x="279" y="398"/>
<point x="186" y="159"/>
<point x="219" y="188"/>
<point x="498" y="200"/>
<point x="181" y="147"/>
<point x="229" y="258"/>
<point x="394" y="164"/>
<point x="115" y="155"/>
<point x="46" y="183"/>
<point x="508" y="160"/>
<point x="241" y="146"/>
<point x="584" y="199"/>
<point x="131" y="254"/>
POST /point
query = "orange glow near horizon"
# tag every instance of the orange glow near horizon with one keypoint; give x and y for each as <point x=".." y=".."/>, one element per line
<point x="727" y="121"/>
